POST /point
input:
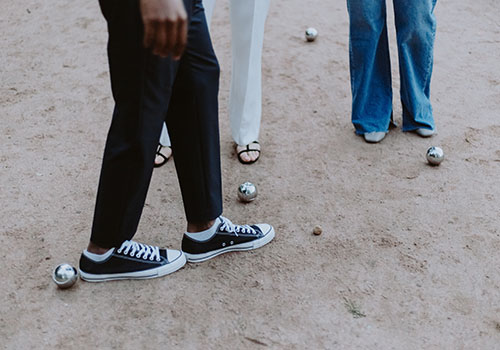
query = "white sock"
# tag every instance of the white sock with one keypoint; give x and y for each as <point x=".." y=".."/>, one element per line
<point x="98" y="257"/>
<point x="204" y="235"/>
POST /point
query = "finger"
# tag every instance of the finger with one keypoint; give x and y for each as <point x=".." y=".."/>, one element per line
<point x="171" y="37"/>
<point x="181" y="40"/>
<point x="160" y="39"/>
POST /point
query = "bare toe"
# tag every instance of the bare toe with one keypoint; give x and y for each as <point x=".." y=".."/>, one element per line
<point x="246" y="157"/>
<point x="249" y="153"/>
<point x="252" y="156"/>
<point x="162" y="155"/>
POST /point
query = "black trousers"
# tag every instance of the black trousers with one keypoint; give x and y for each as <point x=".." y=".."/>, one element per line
<point x="149" y="90"/>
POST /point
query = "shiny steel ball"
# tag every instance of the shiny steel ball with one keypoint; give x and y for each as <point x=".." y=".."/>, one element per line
<point x="311" y="34"/>
<point x="435" y="155"/>
<point x="247" y="192"/>
<point x="65" y="275"/>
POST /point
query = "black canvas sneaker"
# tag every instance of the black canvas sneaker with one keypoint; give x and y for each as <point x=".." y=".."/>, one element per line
<point x="227" y="238"/>
<point x="132" y="261"/>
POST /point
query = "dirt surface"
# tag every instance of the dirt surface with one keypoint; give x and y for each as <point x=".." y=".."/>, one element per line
<point x="409" y="256"/>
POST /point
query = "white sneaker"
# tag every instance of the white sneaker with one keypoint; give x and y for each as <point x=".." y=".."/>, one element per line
<point x="423" y="132"/>
<point x="374" y="137"/>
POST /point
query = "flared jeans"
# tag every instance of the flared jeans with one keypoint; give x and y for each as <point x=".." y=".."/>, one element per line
<point x="370" y="65"/>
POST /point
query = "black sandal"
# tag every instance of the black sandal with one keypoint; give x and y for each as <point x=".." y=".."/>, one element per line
<point x="158" y="153"/>
<point x="249" y="150"/>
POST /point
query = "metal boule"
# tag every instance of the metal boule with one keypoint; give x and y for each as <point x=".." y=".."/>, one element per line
<point x="247" y="192"/>
<point x="65" y="275"/>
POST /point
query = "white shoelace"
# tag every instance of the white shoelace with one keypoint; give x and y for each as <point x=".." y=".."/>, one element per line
<point x="139" y="250"/>
<point x="228" y="226"/>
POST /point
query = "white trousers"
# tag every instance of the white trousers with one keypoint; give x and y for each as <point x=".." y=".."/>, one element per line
<point x="248" y="19"/>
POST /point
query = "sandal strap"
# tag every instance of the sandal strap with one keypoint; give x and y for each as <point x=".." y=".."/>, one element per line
<point x="250" y="149"/>
<point x="159" y="154"/>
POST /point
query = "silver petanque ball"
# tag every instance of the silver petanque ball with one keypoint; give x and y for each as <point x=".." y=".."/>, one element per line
<point x="435" y="155"/>
<point x="247" y="192"/>
<point x="65" y="275"/>
<point x="311" y="34"/>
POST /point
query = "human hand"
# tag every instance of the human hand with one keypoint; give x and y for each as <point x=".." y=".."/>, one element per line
<point x="165" y="26"/>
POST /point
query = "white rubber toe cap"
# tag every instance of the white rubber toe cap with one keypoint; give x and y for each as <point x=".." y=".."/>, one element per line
<point x="173" y="254"/>
<point x="265" y="228"/>
<point x="374" y="137"/>
<point x="425" y="132"/>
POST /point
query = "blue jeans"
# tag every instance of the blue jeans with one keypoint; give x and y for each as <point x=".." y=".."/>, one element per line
<point x="371" y="68"/>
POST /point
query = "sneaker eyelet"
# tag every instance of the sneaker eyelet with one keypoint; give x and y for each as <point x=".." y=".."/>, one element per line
<point x="231" y="242"/>
<point x="151" y="258"/>
<point x="132" y="254"/>
<point x="158" y="259"/>
<point x="223" y="244"/>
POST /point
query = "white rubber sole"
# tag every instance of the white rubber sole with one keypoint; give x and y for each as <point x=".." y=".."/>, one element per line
<point x="146" y="274"/>
<point x="196" y="258"/>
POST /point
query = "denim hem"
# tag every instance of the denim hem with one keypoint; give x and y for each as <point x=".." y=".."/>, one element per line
<point x="360" y="133"/>
<point x="413" y="128"/>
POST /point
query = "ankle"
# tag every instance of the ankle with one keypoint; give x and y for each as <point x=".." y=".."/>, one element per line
<point x="95" y="249"/>
<point x="193" y="227"/>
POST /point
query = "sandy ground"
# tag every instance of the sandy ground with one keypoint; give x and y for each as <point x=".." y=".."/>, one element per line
<point x="412" y="250"/>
